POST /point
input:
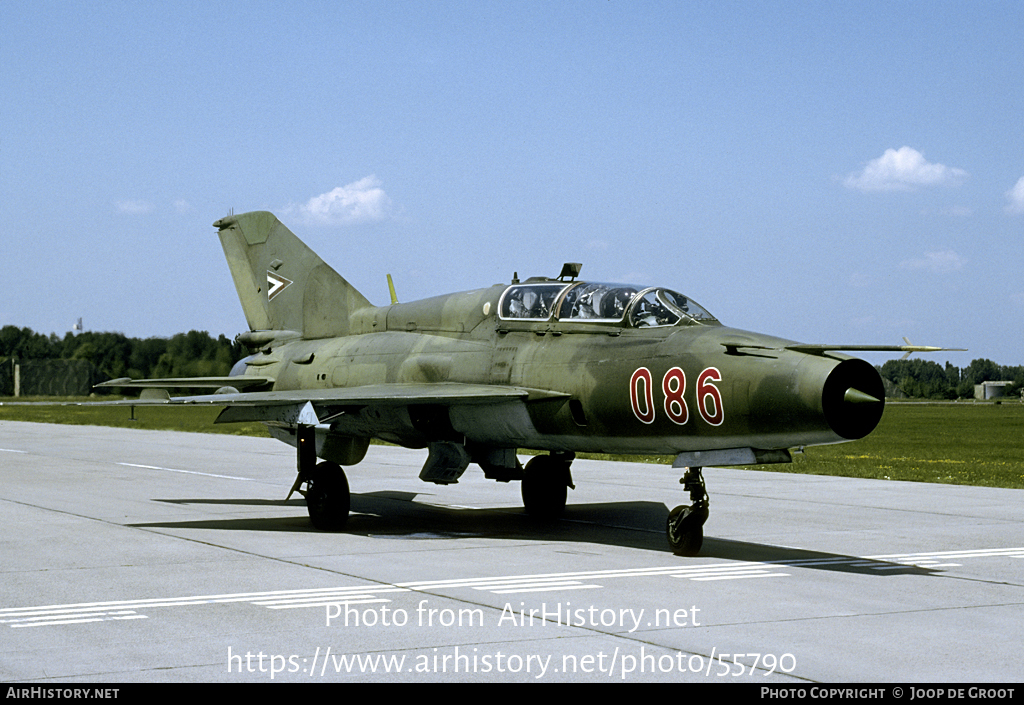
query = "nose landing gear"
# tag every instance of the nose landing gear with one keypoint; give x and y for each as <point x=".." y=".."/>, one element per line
<point x="685" y="525"/>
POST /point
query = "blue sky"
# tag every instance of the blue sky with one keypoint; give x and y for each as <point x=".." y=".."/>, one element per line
<point x="827" y="172"/>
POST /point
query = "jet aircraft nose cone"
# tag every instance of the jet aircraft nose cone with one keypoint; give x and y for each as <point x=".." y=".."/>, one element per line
<point x="855" y="396"/>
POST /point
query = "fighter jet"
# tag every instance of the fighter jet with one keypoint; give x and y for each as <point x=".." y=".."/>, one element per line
<point x="555" y="365"/>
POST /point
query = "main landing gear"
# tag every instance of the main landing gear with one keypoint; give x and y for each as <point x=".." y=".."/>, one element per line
<point x="327" y="494"/>
<point x="327" y="497"/>
<point x="545" y="479"/>
<point x="685" y="526"/>
<point x="544" y="486"/>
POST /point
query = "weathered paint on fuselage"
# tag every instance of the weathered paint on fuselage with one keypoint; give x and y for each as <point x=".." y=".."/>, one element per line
<point x="656" y="390"/>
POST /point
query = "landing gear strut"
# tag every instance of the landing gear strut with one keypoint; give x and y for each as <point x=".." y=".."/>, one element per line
<point x="545" y="480"/>
<point x="685" y="526"/>
<point x="327" y="494"/>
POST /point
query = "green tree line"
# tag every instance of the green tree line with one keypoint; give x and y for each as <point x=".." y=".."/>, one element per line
<point x="929" y="380"/>
<point x="192" y="354"/>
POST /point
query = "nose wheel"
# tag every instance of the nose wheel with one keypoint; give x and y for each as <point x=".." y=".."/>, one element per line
<point x="685" y="525"/>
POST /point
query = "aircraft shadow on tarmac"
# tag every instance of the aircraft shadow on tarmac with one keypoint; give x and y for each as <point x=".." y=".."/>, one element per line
<point x="392" y="515"/>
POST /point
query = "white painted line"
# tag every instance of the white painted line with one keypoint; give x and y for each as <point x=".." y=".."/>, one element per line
<point x="252" y="597"/>
<point x="187" y="472"/>
<point x="522" y="582"/>
<point x="334" y="595"/>
<point x="515" y="584"/>
<point x="550" y="588"/>
<point x="66" y="621"/>
<point x="742" y="577"/>
<point x="545" y="582"/>
<point x="325" y="603"/>
<point x="82" y="618"/>
<point x="711" y="574"/>
<point x="978" y="553"/>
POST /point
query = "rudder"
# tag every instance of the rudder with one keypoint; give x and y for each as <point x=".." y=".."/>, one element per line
<point x="282" y="284"/>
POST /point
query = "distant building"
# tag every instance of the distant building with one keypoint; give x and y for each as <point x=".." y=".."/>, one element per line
<point x="991" y="390"/>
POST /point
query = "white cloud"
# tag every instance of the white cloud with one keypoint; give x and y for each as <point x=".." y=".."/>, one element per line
<point x="133" y="207"/>
<point x="359" y="202"/>
<point x="1016" y="197"/>
<point x="903" y="169"/>
<point x="942" y="262"/>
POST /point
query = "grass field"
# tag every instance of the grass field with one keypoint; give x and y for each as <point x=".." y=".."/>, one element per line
<point x="962" y="444"/>
<point x="166" y="418"/>
<point x="965" y="444"/>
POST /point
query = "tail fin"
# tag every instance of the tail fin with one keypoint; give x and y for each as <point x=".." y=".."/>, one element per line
<point x="282" y="284"/>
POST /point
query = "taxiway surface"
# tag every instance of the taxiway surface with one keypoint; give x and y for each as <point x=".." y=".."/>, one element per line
<point x="134" y="555"/>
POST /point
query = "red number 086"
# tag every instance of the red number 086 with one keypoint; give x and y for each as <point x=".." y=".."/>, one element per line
<point x="673" y="385"/>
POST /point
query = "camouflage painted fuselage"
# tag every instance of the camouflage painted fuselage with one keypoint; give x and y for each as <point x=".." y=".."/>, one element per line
<point x="590" y="386"/>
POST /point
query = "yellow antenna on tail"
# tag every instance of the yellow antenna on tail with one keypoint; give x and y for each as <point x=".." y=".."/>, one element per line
<point x="391" y="288"/>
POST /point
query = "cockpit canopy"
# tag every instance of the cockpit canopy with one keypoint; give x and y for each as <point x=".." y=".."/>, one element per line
<point x="641" y="307"/>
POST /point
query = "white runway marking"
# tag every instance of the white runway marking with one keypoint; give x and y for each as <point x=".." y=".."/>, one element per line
<point x="550" y="587"/>
<point x="187" y="472"/>
<point x="51" y="615"/>
<point x="73" y="617"/>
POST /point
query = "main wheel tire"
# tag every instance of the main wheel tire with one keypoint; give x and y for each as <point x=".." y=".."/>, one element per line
<point x="327" y="497"/>
<point x="544" y="487"/>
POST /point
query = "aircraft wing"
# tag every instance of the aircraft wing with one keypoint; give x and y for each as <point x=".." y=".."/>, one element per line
<point x="314" y="406"/>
